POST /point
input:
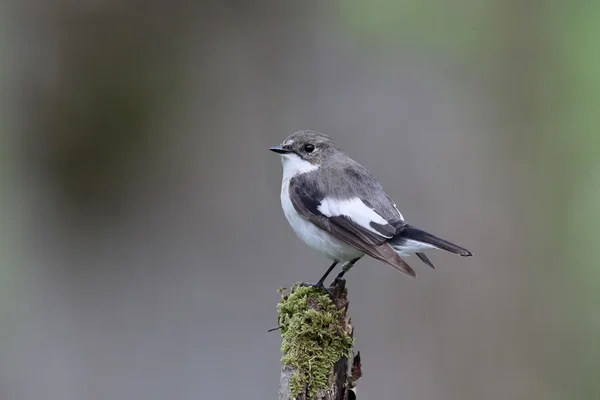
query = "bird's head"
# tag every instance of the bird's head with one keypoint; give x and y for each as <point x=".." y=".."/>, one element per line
<point x="305" y="150"/>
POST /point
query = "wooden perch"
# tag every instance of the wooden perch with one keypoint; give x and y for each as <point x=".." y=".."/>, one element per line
<point x="317" y="340"/>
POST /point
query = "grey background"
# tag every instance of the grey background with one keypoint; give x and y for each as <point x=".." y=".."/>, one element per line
<point x="143" y="239"/>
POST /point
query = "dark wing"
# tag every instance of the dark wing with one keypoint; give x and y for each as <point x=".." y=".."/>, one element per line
<point x="353" y="221"/>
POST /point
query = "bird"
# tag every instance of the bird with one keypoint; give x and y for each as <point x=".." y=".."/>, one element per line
<point x="339" y="209"/>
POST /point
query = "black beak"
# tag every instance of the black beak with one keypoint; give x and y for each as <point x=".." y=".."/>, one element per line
<point x="280" y="150"/>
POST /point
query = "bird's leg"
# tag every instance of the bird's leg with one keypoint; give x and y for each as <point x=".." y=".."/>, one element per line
<point x="346" y="267"/>
<point x="320" y="283"/>
<point x="322" y="280"/>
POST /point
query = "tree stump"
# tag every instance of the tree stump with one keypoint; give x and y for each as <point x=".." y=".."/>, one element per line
<point x="317" y="342"/>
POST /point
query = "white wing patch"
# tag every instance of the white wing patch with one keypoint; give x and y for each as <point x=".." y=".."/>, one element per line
<point x="354" y="209"/>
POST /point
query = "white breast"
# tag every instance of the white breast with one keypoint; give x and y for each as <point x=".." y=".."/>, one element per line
<point x="314" y="237"/>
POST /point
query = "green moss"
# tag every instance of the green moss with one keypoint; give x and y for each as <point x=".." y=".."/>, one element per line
<point x="313" y="338"/>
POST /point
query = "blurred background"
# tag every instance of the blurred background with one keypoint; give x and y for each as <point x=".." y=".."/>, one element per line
<point x="141" y="236"/>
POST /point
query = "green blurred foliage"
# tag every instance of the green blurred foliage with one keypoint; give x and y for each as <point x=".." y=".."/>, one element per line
<point x="12" y="227"/>
<point x="575" y="117"/>
<point x="574" y="30"/>
<point x="459" y="26"/>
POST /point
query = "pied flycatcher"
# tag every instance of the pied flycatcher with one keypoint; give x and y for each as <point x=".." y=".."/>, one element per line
<point x="338" y="208"/>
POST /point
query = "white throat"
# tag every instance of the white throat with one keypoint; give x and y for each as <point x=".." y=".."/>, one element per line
<point x="293" y="166"/>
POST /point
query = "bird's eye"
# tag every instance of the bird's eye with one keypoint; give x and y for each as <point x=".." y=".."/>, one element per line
<point x="309" y="148"/>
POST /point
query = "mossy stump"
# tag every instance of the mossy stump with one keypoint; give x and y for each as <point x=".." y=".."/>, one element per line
<point x="317" y="341"/>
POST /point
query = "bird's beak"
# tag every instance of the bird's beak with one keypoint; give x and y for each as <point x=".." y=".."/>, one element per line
<point x="280" y="150"/>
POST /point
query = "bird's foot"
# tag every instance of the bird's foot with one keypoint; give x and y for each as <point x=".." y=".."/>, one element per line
<point x="320" y="286"/>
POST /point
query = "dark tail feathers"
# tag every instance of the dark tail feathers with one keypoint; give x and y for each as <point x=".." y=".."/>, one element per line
<point x="410" y="232"/>
<point x="425" y="259"/>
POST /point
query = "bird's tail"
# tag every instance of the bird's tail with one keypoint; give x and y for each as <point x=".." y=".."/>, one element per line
<point x="411" y="234"/>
